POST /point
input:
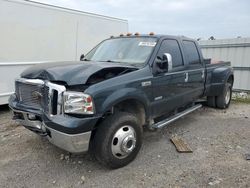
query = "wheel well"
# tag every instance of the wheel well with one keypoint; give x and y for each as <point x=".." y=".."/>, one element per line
<point x="132" y="106"/>
<point x="230" y="79"/>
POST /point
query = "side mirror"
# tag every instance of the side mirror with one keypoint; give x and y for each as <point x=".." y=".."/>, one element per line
<point x="168" y="58"/>
<point x="82" y="57"/>
<point x="164" y="63"/>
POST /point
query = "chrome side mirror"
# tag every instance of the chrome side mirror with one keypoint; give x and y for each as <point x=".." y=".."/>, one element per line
<point x="168" y="58"/>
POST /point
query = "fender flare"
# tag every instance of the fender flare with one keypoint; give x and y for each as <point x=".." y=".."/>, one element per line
<point x="219" y="79"/>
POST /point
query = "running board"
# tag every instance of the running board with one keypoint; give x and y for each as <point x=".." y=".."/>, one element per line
<point x="173" y="118"/>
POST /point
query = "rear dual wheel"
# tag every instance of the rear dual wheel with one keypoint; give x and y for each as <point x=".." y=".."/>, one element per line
<point x="222" y="101"/>
<point x="118" y="140"/>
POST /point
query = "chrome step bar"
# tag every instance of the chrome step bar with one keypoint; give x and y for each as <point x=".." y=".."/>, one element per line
<point x="173" y="118"/>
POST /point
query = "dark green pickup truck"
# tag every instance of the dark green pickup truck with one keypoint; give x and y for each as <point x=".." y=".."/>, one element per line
<point x="102" y="102"/>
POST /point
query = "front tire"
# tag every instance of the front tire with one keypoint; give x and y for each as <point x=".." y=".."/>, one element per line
<point x="118" y="140"/>
<point x="223" y="100"/>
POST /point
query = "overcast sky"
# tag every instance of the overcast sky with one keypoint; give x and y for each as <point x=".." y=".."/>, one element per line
<point x="192" y="18"/>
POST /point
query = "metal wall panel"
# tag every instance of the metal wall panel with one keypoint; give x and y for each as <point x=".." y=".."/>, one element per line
<point x="235" y="50"/>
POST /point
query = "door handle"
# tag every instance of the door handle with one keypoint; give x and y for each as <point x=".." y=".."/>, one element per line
<point x="186" y="77"/>
<point x="202" y="74"/>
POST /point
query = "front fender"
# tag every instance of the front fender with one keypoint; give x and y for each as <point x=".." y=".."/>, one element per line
<point x="125" y="94"/>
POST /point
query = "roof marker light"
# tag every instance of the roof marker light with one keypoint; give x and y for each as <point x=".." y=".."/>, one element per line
<point x="137" y="34"/>
<point x="151" y="33"/>
<point x="129" y="34"/>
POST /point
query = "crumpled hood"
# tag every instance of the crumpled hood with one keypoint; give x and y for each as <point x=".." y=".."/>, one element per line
<point x="73" y="73"/>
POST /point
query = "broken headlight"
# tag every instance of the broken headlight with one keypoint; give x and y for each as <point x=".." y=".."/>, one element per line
<point x="78" y="103"/>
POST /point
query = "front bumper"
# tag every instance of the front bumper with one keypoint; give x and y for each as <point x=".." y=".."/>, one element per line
<point x="73" y="143"/>
<point x="69" y="133"/>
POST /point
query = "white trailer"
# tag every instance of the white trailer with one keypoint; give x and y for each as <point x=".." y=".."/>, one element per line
<point x="32" y="33"/>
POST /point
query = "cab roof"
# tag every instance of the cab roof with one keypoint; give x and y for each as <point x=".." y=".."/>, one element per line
<point x="159" y="36"/>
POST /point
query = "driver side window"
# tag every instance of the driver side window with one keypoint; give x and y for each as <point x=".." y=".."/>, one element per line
<point x="172" y="47"/>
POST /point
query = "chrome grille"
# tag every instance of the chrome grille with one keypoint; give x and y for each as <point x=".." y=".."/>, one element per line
<point x="30" y="94"/>
<point x="39" y="94"/>
<point x="46" y="99"/>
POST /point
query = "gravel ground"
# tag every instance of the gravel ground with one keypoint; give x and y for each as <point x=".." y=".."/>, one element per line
<point x="219" y="139"/>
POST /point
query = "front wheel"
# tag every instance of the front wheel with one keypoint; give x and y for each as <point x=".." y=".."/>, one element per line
<point x="118" y="140"/>
<point x="223" y="100"/>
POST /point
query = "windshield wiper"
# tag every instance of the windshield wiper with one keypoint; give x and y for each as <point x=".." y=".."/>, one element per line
<point x="130" y="64"/>
<point x="86" y="59"/>
<point x="111" y="61"/>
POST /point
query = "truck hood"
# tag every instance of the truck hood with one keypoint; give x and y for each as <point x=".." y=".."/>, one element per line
<point x="75" y="73"/>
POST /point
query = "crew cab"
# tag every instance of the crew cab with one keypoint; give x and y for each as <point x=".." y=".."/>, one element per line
<point x="125" y="83"/>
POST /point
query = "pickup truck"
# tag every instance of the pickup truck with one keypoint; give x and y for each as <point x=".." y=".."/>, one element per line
<point x="102" y="102"/>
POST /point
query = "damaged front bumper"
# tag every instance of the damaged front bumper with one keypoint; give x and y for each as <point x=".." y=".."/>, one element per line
<point x="68" y="133"/>
<point x="74" y="143"/>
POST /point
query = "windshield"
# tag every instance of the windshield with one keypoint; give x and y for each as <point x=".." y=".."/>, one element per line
<point x="124" y="50"/>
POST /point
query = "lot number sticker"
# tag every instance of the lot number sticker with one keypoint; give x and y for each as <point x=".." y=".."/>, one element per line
<point x="150" y="44"/>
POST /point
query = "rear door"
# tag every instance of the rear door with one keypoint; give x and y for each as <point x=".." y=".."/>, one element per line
<point x="195" y="71"/>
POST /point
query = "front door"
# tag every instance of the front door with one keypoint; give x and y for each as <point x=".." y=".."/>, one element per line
<point x="169" y="86"/>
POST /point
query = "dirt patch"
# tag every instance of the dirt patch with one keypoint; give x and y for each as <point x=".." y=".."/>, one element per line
<point x="219" y="140"/>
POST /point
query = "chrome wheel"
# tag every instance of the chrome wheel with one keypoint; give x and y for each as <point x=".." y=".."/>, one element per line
<point x="123" y="142"/>
<point x="228" y="96"/>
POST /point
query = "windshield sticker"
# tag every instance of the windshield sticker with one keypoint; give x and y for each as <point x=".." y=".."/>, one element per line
<point x="151" y="44"/>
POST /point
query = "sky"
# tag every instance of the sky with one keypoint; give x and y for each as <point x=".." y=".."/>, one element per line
<point x="191" y="18"/>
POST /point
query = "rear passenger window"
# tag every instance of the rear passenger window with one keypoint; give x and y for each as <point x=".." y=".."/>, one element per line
<point x="191" y="52"/>
<point x="172" y="47"/>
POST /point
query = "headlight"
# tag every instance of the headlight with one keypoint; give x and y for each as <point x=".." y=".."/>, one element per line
<point x="78" y="103"/>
